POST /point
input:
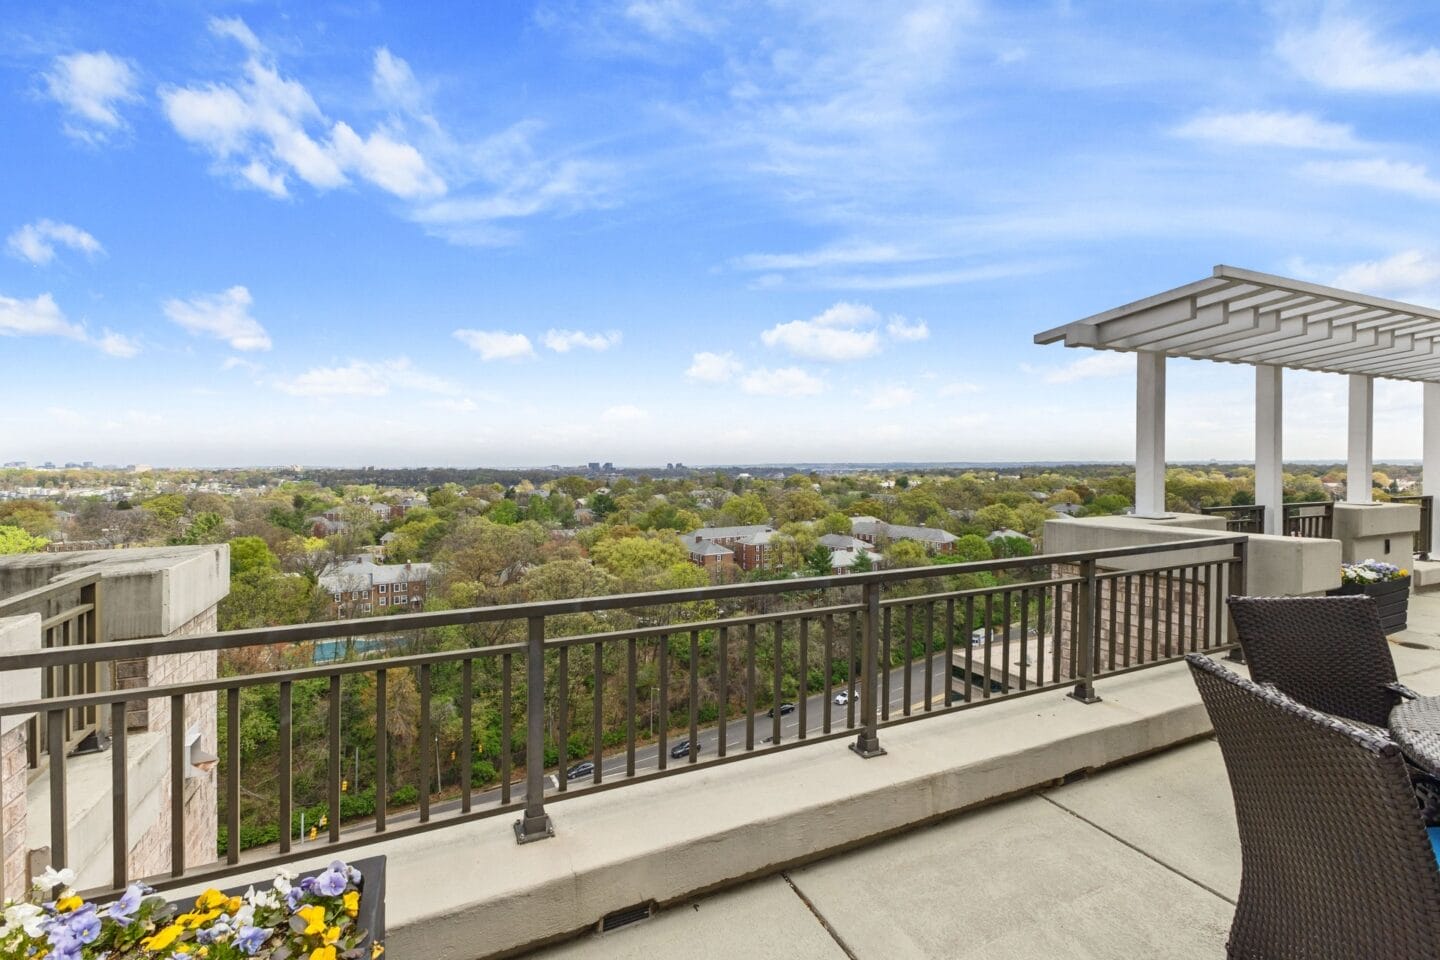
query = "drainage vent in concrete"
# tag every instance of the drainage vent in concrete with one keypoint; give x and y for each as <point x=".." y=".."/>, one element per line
<point x="626" y="917"/>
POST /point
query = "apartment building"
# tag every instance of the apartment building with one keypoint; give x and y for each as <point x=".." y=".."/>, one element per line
<point x="362" y="586"/>
<point x="874" y="530"/>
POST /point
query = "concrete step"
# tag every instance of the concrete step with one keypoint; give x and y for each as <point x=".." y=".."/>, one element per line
<point x="1425" y="575"/>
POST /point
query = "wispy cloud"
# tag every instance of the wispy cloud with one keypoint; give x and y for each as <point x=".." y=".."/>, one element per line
<point x="117" y="344"/>
<point x="710" y="367"/>
<point x="262" y="128"/>
<point x="41" y="316"/>
<point x="1342" y="51"/>
<point x="1091" y="366"/>
<point x="497" y="344"/>
<point x="844" y="331"/>
<point x="563" y="341"/>
<point x="1269" y="128"/>
<point x="782" y="382"/>
<point x="92" y="87"/>
<point x="36" y="242"/>
<point x="224" y="316"/>
<point x="364" y="378"/>
<point x="906" y="332"/>
<point x="1409" y="178"/>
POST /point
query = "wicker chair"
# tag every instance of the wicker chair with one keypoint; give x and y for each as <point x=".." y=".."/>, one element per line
<point x="1336" y="861"/>
<point x="1329" y="653"/>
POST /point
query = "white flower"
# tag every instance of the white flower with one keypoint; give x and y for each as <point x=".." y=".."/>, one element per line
<point x="27" y="916"/>
<point x="55" y="878"/>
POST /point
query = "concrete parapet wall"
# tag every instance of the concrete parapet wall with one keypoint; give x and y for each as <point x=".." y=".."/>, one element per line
<point x="1377" y="531"/>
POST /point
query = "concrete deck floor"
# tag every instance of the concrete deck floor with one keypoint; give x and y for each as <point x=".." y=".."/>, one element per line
<point x="1139" y="861"/>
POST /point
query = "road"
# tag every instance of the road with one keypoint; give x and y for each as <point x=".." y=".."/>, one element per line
<point x="614" y="764"/>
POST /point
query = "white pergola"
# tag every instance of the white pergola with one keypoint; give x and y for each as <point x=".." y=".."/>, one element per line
<point x="1272" y="323"/>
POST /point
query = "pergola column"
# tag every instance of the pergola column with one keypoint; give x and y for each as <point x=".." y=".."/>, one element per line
<point x="1430" y="464"/>
<point x="1269" y="407"/>
<point x="1149" y="434"/>
<point x="1360" y="465"/>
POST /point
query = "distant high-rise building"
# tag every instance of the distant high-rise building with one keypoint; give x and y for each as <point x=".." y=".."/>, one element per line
<point x="608" y="466"/>
<point x="594" y="466"/>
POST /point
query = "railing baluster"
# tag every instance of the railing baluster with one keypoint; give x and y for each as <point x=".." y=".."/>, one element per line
<point x="427" y="737"/>
<point x="286" y="771"/>
<point x="969" y="646"/>
<point x="694" y="695"/>
<point x="749" y="686"/>
<point x="562" y="749"/>
<point x="1169" y="614"/>
<point x="1154" y="615"/>
<point x="885" y="658"/>
<point x="907" y="684"/>
<point x="232" y="774"/>
<point x="989" y="679"/>
<point x="382" y="743"/>
<point x="59" y="809"/>
<point x="724" y="698"/>
<point x="1041" y="623"/>
<point x="506" y="668"/>
<point x="803" y="695"/>
<point x="1024" y="636"/>
<point x="778" y="634"/>
<point x="467" y="734"/>
<point x="1005" y="641"/>
<point x="854" y="647"/>
<point x="630" y="671"/>
<point x="662" y="719"/>
<point x="534" y="823"/>
<point x="1089" y="639"/>
<point x="597" y="704"/>
<point x="178" y="766"/>
<point x="1195" y="639"/>
<point x="828" y="680"/>
<point x="1129" y="640"/>
<point x="929" y="655"/>
<point x="1112" y="597"/>
<point x="120" y="798"/>
<point x="949" y="651"/>
<point x="867" y="744"/>
<point x="334" y="784"/>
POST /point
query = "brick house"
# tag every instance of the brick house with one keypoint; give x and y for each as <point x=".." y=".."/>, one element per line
<point x="362" y="586"/>
<point x="749" y="546"/>
<point x="873" y="530"/>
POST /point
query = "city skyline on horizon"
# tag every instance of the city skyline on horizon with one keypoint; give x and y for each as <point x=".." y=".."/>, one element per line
<point x="715" y="233"/>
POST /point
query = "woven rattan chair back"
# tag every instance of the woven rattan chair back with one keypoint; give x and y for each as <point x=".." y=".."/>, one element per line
<point x="1336" y="861"/>
<point x="1329" y="653"/>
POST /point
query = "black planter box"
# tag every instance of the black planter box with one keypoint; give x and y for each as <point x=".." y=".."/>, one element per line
<point x="1392" y="600"/>
<point x="371" y="915"/>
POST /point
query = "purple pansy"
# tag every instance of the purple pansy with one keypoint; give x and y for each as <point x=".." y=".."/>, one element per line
<point x="250" y="939"/>
<point x="333" y="881"/>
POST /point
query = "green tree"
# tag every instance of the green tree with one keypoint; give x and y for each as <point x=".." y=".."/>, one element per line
<point x="251" y="553"/>
<point x="744" y="510"/>
<point x="16" y="540"/>
<point x="970" y="548"/>
<point x="833" y="523"/>
<point x="168" y="508"/>
<point x="817" y="561"/>
<point x="633" y="560"/>
<point x="602" y="505"/>
<point x="504" y="512"/>
<point x="997" y="516"/>
<point x="906" y="553"/>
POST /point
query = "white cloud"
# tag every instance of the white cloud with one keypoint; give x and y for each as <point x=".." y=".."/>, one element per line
<point x="958" y="389"/>
<point x="1270" y="128"/>
<point x="782" y="382"/>
<point x="888" y="398"/>
<point x="36" y="241"/>
<point x="563" y="341"/>
<point x="833" y="256"/>
<point x="394" y="81"/>
<point x="713" y="367"/>
<point x="903" y="330"/>
<point x="42" y="317"/>
<point x="846" y="331"/>
<point x="362" y="378"/>
<point x="1345" y="53"/>
<point x="240" y="363"/>
<point x="91" y="87"/>
<point x="624" y="413"/>
<point x="225" y="316"/>
<point x="1410" y="178"/>
<point x="117" y="344"/>
<point x="1092" y="365"/>
<point x="496" y="344"/>
<point x="264" y="128"/>
<point x="1407" y="274"/>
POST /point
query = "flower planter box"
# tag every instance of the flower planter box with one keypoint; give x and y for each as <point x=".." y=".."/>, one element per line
<point x="1392" y="600"/>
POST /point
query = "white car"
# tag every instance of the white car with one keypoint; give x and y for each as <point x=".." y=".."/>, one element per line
<point x="842" y="698"/>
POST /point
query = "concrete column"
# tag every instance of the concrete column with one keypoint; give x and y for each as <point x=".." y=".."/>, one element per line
<point x="1430" y="465"/>
<point x="1360" y="465"/>
<point x="1149" y="434"/>
<point x="1269" y="407"/>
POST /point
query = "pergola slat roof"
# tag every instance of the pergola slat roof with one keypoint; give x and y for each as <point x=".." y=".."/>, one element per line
<point x="1242" y="316"/>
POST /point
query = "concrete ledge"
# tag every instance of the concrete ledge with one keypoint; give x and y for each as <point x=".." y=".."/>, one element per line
<point x="470" y="892"/>
<point x="19" y="635"/>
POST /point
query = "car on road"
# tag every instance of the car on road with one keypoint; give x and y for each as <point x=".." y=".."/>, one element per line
<point x="582" y="769"/>
<point x="842" y="698"/>
<point x="682" y="749"/>
<point x="784" y="709"/>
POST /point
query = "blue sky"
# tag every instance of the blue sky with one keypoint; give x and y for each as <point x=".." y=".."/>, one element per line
<point x="655" y="230"/>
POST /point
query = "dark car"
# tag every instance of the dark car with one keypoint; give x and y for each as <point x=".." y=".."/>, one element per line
<point x="582" y="769"/>
<point x="682" y="749"/>
<point x="784" y="709"/>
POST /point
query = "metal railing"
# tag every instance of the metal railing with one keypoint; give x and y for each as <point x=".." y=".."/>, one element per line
<point x="1240" y="518"/>
<point x="1315" y="518"/>
<point x="1426" y="503"/>
<point x="70" y="617"/>
<point x="841" y="646"/>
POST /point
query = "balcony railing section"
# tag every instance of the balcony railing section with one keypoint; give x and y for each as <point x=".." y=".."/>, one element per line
<point x="679" y="682"/>
<point x="1240" y="518"/>
<point x="1310" y="519"/>
<point x="1423" y="546"/>
<point x="70" y="618"/>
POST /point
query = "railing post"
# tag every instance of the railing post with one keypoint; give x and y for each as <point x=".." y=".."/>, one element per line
<point x="535" y="823"/>
<point x="1237" y="589"/>
<point x="1089" y="623"/>
<point x="867" y="744"/>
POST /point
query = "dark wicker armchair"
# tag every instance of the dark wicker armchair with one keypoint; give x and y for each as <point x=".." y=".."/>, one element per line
<point x="1329" y="653"/>
<point x="1337" y="864"/>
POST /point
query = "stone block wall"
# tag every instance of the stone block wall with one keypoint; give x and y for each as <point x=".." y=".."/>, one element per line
<point x="13" y="779"/>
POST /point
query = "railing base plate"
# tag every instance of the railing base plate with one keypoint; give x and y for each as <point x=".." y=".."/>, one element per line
<point x="536" y="831"/>
<point x="868" y="749"/>
<point x="1080" y="694"/>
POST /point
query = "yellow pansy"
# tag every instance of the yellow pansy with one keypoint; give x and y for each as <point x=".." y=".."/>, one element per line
<point x="352" y="902"/>
<point x="198" y="920"/>
<point x="211" y="899"/>
<point x="66" y="904"/>
<point x="377" y="949"/>
<point x="232" y="905"/>
<point x="163" y="938"/>
<point x="314" y="917"/>
<point x="332" y="934"/>
<point x="323" y="953"/>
